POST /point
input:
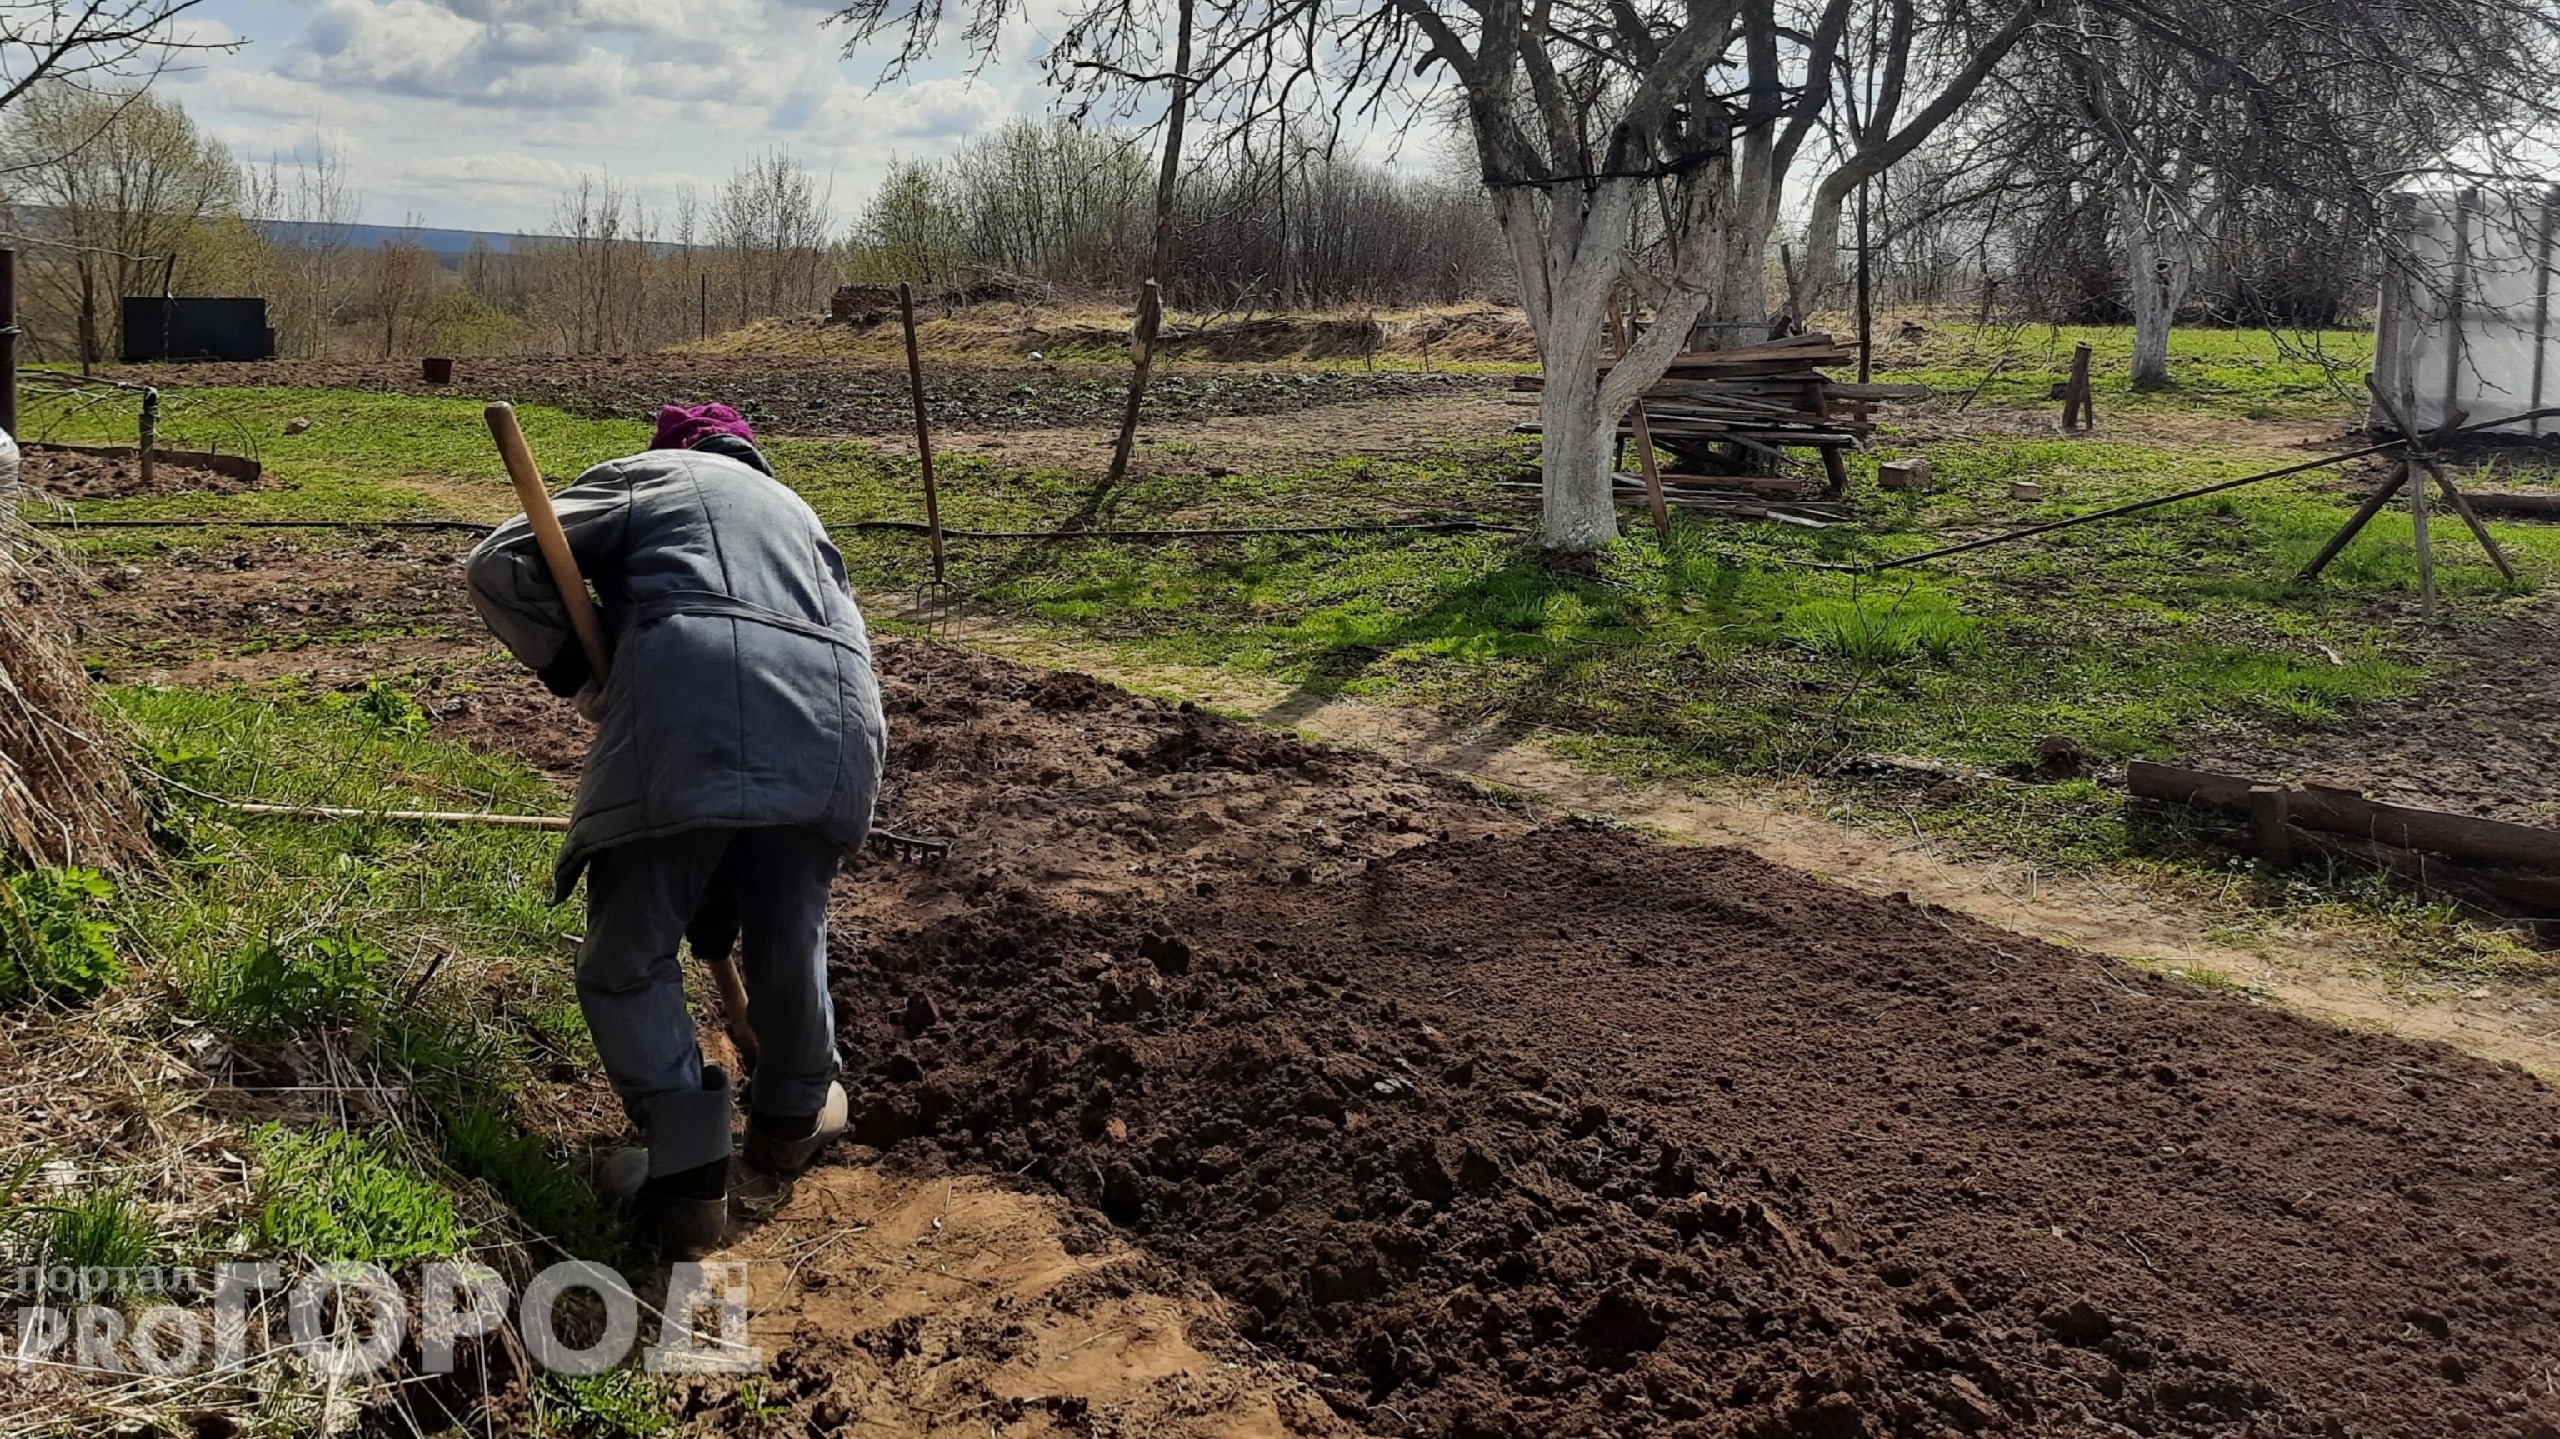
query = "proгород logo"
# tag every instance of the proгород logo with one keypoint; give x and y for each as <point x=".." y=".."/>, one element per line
<point x="351" y="1321"/>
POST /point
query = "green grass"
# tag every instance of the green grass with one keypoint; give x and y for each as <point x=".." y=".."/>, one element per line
<point x="346" y="1194"/>
<point x="616" y="1404"/>
<point x="104" y="1235"/>
<point x="348" y="464"/>
<point x="424" y="955"/>
<point x="2245" y="374"/>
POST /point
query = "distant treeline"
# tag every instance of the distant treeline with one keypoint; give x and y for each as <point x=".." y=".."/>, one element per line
<point x="1286" y="224"/>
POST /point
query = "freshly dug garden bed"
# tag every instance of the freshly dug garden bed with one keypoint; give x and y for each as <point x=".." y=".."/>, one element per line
<point x="1524" y="1128"/>
<point x="115" y="473"/>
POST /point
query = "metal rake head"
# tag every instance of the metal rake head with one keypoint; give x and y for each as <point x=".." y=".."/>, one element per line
<point x="936" y="602"/>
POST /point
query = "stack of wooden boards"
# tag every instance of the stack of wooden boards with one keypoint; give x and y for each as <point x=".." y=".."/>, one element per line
<point x="1724" y="413"/>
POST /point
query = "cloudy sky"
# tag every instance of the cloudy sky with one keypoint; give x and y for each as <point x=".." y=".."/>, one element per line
<point x="475" y="114"/>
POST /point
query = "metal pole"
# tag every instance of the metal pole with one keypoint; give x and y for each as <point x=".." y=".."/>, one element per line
<point x="2455" y="303"/>
<point x="704" y="325"/>
<point x="9" y="341"/>
<point x="1866" y="296"/>
<point x="2542" y="300"/>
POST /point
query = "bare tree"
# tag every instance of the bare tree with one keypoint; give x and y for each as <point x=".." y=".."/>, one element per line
<point x="111" y="45"/>
<point x="1594" y="121"/>
<point x="771" y="224"/>
<point x="596" y="268"/>
<point x="2189" y="123"/>
<point x="400" y="280"/>
<point x="308" y="219"/>
<point x="119" y="184"/>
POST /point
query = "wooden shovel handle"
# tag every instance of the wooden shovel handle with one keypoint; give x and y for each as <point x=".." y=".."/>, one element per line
<point x="549" y="538"/>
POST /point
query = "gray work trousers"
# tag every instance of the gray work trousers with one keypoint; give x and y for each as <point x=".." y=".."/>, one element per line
<point x="640" y="898"/>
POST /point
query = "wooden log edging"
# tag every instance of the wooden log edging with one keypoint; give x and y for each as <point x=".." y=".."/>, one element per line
<point x="238" y="467"/>
<point x="2344" y="812"/>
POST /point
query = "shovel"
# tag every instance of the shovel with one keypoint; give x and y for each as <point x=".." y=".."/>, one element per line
<point x="554" y="544"/>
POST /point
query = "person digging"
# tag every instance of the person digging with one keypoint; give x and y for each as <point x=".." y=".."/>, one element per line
<point x="737" y="755"/>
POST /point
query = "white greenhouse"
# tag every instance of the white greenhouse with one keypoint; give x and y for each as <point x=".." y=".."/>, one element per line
<point x="2467" y="320"/>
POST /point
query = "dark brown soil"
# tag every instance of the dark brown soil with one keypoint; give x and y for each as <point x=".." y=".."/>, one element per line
<point x="1525" y="1129"/>
<point x="252" y="609"/>
<point x="67" y="475"/>
<point x="2477" y="739"/>
<point x="822" y="397"/>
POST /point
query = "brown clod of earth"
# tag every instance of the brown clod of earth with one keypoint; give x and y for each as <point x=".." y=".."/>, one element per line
<point x="2061" y="757"/>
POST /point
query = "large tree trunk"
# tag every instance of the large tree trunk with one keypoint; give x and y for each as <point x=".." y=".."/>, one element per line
<point x="1737" y="308"/>
<point x="2160" y="262"/>
<point x="1577" y="437"/>
<point x="1570" y="254"/>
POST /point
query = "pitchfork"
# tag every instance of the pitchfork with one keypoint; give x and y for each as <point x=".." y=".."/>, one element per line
<point x="935" y="597"/>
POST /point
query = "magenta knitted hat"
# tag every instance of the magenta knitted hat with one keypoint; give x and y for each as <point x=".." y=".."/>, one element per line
<point x="681" y="427"/>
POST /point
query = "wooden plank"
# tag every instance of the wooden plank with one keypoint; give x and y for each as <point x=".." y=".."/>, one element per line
<point x="1643" y="434"/>
<point x="2545" y="506"/>
<point x="2336" y="811"/>
<point x="1764" y="484"/>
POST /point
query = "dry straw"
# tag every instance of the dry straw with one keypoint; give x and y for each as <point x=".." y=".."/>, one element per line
<point x="66" y="796"/>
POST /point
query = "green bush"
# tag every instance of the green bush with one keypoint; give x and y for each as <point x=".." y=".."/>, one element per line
<point x="55" y="937"/>
<point x="389" y="708"/>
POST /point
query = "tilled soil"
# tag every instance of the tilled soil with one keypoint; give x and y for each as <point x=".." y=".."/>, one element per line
<point x="826" y="397"/>
<point x="254" y="609"/>
<point x="67" y="475"/>
<point x="1517" y="1128"/>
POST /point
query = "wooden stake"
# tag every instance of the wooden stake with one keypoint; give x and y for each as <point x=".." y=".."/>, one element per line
<point x="2270" y="826"/>
<point x="1142" y="339"/>
<point x="924" y="428"/>
<point x="1619" y="337"/>
<point x="2426" y="547"/>
<point x="150" y="435"/>
<point x="2079" y="402"/>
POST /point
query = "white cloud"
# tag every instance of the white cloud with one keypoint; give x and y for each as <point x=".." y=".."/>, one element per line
<point x="246" y="90"/>
<point x="475" y="113"/>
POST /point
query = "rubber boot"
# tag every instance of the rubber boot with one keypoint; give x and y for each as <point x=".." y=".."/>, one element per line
<point x="785" y="1147"/>
<point x="685" y="1214"/>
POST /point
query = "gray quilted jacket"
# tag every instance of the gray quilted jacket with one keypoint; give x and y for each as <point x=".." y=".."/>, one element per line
<point x="742" y="694"/>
